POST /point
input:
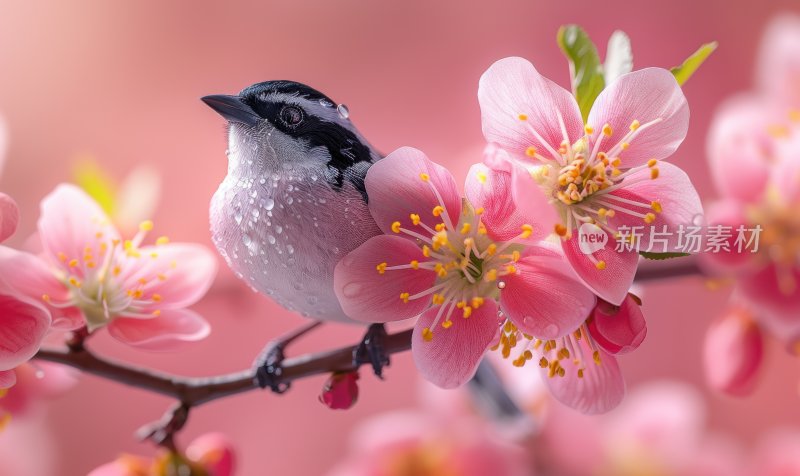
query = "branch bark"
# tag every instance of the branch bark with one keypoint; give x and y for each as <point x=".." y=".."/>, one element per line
<point x="196" y="391"/>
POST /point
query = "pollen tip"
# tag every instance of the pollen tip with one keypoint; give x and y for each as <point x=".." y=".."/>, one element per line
<point x="427" y="334"/>
<point x="396" y="227"/>
<point x="424" y="177"/>
<point x="607" y="131"/>
<point x="146" y="225"/>
<point x="522" y="117"/>
<point x="601" y="265"/>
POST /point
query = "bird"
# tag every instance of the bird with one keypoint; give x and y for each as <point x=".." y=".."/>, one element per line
<point x="293" y="202"/>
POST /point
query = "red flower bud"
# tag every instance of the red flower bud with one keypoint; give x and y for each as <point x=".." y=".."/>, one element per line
<point x="618" y="329"/>
<point x="340" y="391"/>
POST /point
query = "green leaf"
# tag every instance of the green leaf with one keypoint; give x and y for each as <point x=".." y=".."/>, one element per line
<point x="685" y="71"/>
<point x="97" y="183"/>
<point x="584" y="65"/>
<point x="661" y="256"/>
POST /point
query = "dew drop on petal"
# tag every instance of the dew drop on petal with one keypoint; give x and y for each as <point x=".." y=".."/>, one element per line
<point x="501" y="285"/>
<point x="351" y="290"/>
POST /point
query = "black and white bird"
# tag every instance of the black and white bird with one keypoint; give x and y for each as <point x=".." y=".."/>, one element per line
<point x="293" y="202"/>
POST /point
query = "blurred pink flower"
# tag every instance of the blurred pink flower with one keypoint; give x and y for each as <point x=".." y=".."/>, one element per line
<point x="733" y="353"/>
<point x="88" y="276"/>
<point x="419" y="444"/>
<point x="340" y="391"/>
<point x="209" y="455"/>
<point x="440" y="255"/>
<point x="659" y="429"/>
<point x="37" y="382"/>
<point x="754" y="152"/>
<point x="27" y="448"/>
<point x="587" y="176"/>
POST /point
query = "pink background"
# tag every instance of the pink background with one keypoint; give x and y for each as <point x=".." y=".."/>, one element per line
<point x="121" y="81"/>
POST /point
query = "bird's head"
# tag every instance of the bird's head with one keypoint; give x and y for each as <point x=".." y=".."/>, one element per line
<point x="285" y="125"/>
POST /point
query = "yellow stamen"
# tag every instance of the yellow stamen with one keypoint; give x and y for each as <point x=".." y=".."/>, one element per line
<point x="396" y="227"/>
<point x="656" y="206"/>
<point x="414" y="264"/>
<point x="607" y="131"/>
<point x="414" y="219"/>
<point x="481" y="177"/>
<point x="522" y="117"/>
<point x="652" y="163"/>
<point x="634" y="125"/>
<point x="146" y="225"/>
<point x="162" y="240"/>
<point x="438" y="210"/>
<point x="465" y="228"/>
<point x="654" y="173"/>
<point x="649" y="218"/>
<point x="381" y="267"/>
<point x="425" y="177"/>
<point x="527" y="231"/>
<point x="601" y="265"/>
<point x="427" y="334"/>
<point x="467" y="312"/>
<point x="560" y="230"/>
<point x="530" y="151"/>
<point x="447" y="324"/>
<point x="589" y="129"/>
<point x="404" y="297"/>
<point x="491" y="275"/>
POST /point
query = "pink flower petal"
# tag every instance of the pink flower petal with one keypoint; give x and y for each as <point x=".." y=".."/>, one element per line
<point x="645" y="95"/>
<point x="70" y="222"/>
<point x="34" y="279"/>
<point x="37" y="382"/>
<point x="531" y="203"/>
<point x="9" y="216"/>
<point x="778" y="66"/>
<point x="611" y="283"/>
<point x="679" y="201"/>
<point x="189" y="270"/>
<point x="451" y="357"/>
<point x="214" y="452"/>
<point x="776" y="305"/>
<point x="599" y="391"/>
<point x="366" y="295"/>
<point x="785" y="176"/>
<point x="23" y="325"/>
<point x="740" y="148"/>
<point x="511" y="87"/>
<point x="164" y="332"/>
<point x="732" y="353"/>
<point x="544" y="298"/>
<point x="492" y="190"/>
<point x="396" y="190"/>
<point x="618" y="329"/>
<point x="729" y="213"/>
<point x="8" y="378"/>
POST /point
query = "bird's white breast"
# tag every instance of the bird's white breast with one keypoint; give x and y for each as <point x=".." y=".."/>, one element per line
<point x="283" y="233"/>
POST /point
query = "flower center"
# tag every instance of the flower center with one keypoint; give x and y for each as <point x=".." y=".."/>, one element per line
<point x="580" y="178"/>
<point x="468" y="264"/>
<point x="779" y="242"/>
<point x="111" y="278"/>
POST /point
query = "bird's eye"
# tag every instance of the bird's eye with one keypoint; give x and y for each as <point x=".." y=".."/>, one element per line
<point x="291" y="116"/>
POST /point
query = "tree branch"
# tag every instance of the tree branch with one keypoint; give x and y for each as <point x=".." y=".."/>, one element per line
<point x="196" y="391"/>
<point x="674" y="268"/>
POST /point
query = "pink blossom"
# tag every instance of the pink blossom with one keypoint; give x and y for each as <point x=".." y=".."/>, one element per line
<point x="754" y="153"/>
<point x="659" y="429"/>
<point x="36" y="383"/>
<point x="618" y="329"/>
<point x="455" y="263"/>
<point x="733" y="353"/>
<point x="608" y="172"/>
<point x="89" y="276"/>
<point x="408" y="443"/>
<point x="210" y="454"/>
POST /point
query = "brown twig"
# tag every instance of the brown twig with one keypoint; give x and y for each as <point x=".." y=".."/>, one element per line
<point x="196" y="391"/>
<point x="675" y="268"/>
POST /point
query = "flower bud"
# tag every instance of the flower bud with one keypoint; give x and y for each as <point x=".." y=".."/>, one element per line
<point x="732" y="353"/>
<point x="618" y="329"/>
<point x="340" y="391"/>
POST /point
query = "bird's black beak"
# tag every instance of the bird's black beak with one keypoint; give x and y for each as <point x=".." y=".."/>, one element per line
<point x="232" y="108"/>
